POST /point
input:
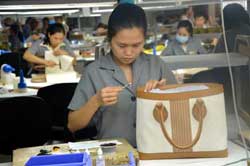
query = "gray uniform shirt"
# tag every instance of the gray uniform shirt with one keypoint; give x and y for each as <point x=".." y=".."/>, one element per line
<point x="118" y="120"/>
<point x="38" y="48"/>
<point x="193" y="47"/>
<point x="30" y="40"/>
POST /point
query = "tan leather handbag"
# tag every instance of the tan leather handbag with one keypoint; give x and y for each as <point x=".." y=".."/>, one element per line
<point x="181" y="121"/>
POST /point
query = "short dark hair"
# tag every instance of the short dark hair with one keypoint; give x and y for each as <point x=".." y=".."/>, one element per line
<point x="101" y="25"/>
<point x="52" y="29"/>
<point x="33" y="24"/>
<point x="234" y="15"/>
<point x="200" y="11"/>
<point x="126" y="16"/>
<point x="45" y="19"/>
<point x="186" y="24"/>
<point x="200" y="14"/>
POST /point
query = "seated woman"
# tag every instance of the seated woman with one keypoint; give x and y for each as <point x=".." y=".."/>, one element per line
<point x="55" y="41"/>
<point x="105" y="97"/>
<point x="184" y="42"/>
<point x="101" y="30"/>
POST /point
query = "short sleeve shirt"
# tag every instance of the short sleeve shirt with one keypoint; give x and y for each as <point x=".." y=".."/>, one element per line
<point x="193" y="47"/>
<point x="30" y="40"/>
<point x="119" y="120"/>
<point x="38" y="48"/>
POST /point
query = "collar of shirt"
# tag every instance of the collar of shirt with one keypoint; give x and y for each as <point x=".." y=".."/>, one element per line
<point x="50" y="48"/>
<point x="188" y="45"/>
<point x="107" y="63"/>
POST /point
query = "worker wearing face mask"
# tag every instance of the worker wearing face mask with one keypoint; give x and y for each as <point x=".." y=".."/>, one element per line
<point x="184" y="42"/>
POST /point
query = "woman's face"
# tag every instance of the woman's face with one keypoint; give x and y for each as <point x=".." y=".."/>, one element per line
<point x="200" y="22"/>
<point x="127" y="45"/>
<point x="56" y="39"/>
<point x="101" y="31"/>
<point x="183" y="32"/>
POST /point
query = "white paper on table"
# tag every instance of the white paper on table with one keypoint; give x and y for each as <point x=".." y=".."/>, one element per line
<point x="66" y="63"/>
<point x="90" y="144"/>
<point x="49" y="56"/>
<point x="187" y="88"/>
<point x="61" y="77"/>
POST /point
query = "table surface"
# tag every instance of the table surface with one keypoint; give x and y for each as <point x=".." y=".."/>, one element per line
<point x="29" y="92"/>
<point x="44" y="84"/>
<point x="21" y="156"/>
<point x="32" y="89"/>
<point x="6" y="164"/>
<point x="236" y="152"/>
<point x="55" y="78"/>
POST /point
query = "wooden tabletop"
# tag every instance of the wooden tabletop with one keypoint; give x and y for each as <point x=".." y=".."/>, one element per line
<point x="21" y="156"/>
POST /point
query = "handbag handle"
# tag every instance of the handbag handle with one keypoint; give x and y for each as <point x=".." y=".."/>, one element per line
<point x="199" y="112"/>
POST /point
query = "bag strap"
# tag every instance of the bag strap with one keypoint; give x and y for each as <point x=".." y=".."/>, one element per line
<point x="199" y="112"/>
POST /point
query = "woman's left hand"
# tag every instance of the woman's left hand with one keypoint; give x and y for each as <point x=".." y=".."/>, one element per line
<point x="59" y="52"/>
<point x="152" y="84"/>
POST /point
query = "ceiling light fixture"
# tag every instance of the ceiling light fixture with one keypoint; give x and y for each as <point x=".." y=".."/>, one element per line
<point x="56" y="6"/>
<point x="40" y="12"/>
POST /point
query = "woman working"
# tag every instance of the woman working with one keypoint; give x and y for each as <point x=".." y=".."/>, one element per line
<point x="105" y="97"/>
<point x="184" y="42"/>
<point x="55" y="41"/>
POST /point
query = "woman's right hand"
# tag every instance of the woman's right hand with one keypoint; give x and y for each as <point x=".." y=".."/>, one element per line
<point x="108" y="95"/>
<point x="49" y="63"/>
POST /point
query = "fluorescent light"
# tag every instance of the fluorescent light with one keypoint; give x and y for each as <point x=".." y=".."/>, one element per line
<point x="97" y="10"/>
<point x="160" y="7"/>
<point x="40" y="12"/>
<point x="95" y="15"/>
<point x="8" y="13"/>
<point x="90" y="15"/>
<point x="56" y="6"/>
<point x="156" y="1"/>
<point x="49" y="12"/>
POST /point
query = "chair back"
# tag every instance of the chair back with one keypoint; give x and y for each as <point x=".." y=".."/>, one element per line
<point x="24" y="122"/>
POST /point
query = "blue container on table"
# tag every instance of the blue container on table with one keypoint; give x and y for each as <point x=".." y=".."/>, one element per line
<point x="75" y="159"/>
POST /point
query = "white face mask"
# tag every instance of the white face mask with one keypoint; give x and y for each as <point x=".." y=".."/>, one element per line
<point x="182" y="39"/>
